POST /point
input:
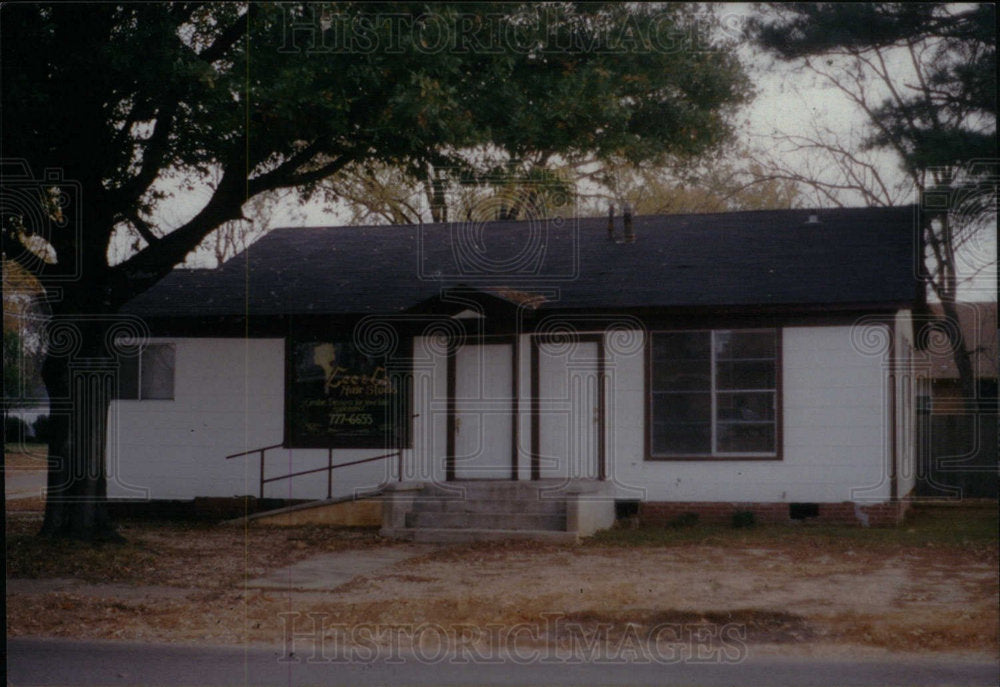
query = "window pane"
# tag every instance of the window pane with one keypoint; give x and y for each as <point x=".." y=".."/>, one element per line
<point x="682" y="375"/>
<point x="682" y="407"/>
<point x="745" y="345"/>
<point x="745" y="438"/>
<point x="690" y="345"/>
<point x="753" y="407"/>
<point x="158" y="372"/>
<point x="128" y="377"/>
<point x="743" y="392"/>
<point x="679" y="439"/>
<point x="745" y="374"/>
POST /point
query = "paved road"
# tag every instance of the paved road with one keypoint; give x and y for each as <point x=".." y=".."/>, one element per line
<point x="67" y="662"/>
<point x="22" y="484"/>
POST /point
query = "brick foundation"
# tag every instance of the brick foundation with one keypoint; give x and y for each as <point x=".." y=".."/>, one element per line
<point x="844" y="513"/>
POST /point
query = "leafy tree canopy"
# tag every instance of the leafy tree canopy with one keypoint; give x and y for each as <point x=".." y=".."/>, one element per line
<point x="122" y="97"/>
<point x="22" y="339"/>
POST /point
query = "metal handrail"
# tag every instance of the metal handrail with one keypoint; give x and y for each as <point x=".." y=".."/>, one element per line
<point x="329" y="468"/>
<point x="254" y="450"/>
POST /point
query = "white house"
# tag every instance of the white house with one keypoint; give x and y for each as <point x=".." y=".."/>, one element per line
<point x="693" y="363"/>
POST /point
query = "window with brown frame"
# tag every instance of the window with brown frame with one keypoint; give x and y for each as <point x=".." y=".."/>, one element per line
<point x="713" y="394"/>
<point x="147" y="376"/>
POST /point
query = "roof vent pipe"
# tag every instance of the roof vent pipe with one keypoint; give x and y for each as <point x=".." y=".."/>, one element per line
<point x="627" y="215"/>
<point x="813" y="219"/>
<point x="611" y="222"/>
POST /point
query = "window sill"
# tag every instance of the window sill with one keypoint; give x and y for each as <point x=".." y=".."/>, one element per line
<point x="143" y="400"/>
<point x="714" y="459"/>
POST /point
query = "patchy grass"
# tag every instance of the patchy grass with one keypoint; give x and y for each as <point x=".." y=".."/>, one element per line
<point x="25" y="456"/>
<point x="32" y="557"/>
<point x="961" y="526"/>
<point x="137" y="561"/>
<point x="783" y="586"/>
<point x="29" y="507"/>
<point x="196" y="554"/>
<point x="168" y="553"/>
<point x="927" y="585"/>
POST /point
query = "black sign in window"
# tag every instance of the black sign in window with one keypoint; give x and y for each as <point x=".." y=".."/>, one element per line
<point x="340" y="396"/>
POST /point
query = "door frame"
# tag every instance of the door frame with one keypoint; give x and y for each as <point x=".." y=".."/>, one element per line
<point x="452" y="403"/>
<point x="536" y="341"/>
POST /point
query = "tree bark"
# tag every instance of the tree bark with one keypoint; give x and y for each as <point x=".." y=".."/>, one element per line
<point x="79" y="376"/>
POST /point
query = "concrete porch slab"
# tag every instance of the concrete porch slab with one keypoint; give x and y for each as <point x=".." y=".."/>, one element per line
<point x="445" y="535"/>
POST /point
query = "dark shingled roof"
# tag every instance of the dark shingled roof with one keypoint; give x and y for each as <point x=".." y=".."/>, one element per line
<point x="851" y="257"/>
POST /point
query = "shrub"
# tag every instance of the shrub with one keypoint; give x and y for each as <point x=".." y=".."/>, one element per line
<point x="684" y="520"/>
<point x="41" y="427"/>
<point x="15" y="430"/>
<point x="744" y="518"/>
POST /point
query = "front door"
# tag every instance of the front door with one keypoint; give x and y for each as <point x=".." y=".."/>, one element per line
<point x="569" y="433"/>
<point x="484" y="409"/>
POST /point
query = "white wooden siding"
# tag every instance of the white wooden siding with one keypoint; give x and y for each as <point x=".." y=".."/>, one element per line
<point x="569" y="398"/>
<point x="834" y="431"/>
<point x="229" y="397"/>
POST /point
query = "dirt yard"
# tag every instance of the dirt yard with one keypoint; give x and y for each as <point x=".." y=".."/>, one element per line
<point x="928" y="586"/>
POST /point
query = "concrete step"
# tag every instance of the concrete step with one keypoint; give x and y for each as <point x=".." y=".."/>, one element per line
<point x="493" y="489"/>
<point x="485" y="510"/>
<point x="487" y="521"/>
<point x="449" y="536"/>
<point x="492" y="505"/>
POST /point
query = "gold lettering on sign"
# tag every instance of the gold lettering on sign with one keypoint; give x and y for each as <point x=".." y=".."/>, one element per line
<point x="359" y="385"/>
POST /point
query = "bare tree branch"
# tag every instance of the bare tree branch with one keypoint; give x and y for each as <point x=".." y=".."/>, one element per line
<point x="143" y="227"/>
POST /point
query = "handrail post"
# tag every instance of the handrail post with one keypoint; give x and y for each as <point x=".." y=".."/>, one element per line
<point x="330" y="467"/>
<point x="262" y="474"/>
<point x="329" y="473"/>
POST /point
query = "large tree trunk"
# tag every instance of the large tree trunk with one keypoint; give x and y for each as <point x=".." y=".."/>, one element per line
<point x="80" y="376"/>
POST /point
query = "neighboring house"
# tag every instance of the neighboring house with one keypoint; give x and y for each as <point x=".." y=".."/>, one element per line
<point x="977" y="323"/>
<point x="671" y="364"/>
<point x="957" y="439"/>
